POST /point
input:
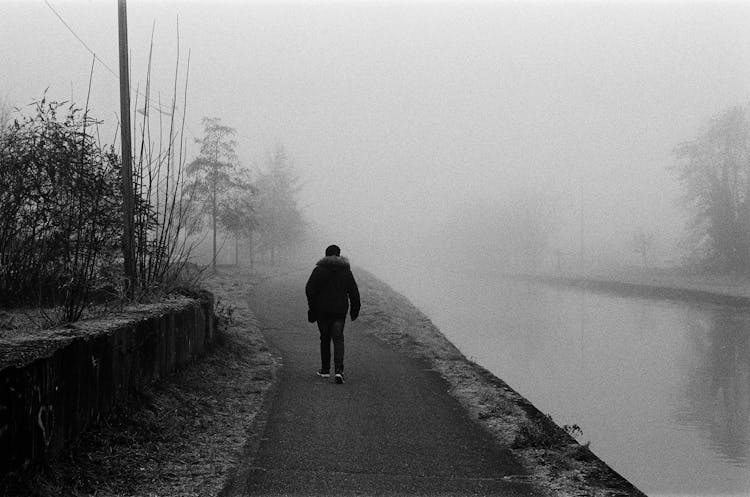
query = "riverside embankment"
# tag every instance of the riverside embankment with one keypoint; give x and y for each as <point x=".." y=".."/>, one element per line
<point x="656" y="382"/>
<point x="379" y="433"/>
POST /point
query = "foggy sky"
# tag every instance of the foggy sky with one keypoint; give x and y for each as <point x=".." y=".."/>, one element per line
<point x="398" y="113"/>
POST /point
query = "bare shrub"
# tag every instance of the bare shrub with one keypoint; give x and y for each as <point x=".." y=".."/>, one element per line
<point x="59" y="209"/>
<point x="163" y="205"/>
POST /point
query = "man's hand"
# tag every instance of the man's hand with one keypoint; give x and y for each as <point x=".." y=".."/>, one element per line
<point x="310" y="316"/>
<point x="354" y="315"/>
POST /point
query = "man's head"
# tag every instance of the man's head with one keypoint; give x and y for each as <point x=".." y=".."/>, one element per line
<point x="333" y="250"/>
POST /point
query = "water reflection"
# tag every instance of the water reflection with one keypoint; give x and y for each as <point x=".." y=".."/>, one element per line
<point x="716" y="396"/>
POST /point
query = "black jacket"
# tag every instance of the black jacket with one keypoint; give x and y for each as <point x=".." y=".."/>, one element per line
<point x="330" y="289"/>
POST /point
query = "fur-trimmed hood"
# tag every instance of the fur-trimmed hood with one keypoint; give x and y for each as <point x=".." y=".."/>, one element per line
<point x="334" y="262"/>
<point x="331" y="288"/>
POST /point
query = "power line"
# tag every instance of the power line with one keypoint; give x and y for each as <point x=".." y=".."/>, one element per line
<point x="151" y="105"/>
<point x="79" y="38"/>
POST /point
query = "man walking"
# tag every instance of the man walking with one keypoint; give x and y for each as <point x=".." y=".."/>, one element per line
<point x="329" y="291"/>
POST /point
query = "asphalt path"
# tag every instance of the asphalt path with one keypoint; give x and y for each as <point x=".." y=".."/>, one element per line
<point x="391" y="429"/>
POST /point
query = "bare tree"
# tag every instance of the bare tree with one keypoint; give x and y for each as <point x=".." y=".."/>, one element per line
<point x="214" y="172"/>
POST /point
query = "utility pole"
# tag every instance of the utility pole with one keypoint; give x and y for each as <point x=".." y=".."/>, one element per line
<point x="128" y="252"/>
<point x="580" y="185"/>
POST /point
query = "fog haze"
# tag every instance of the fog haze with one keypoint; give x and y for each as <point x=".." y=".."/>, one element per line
<point x="442" y="143"/>
<point x="406" y="120"/>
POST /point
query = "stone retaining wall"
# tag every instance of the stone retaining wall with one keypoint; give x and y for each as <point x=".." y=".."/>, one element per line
<point x="54" y="383"/>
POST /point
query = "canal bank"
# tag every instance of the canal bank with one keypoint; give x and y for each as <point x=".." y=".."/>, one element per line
<point x="657" y="385"/>
<point x="551" y="460"/>
<point x="555" y="460"/>
<point x="658" y="284"/>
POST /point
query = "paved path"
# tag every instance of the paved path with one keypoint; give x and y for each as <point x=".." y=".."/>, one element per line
<point x="391" y="429"/>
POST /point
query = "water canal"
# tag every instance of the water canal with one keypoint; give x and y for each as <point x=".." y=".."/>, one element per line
<point x="661" y="389"/>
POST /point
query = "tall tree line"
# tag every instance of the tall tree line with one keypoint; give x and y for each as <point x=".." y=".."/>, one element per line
<point x="260" y="212"/>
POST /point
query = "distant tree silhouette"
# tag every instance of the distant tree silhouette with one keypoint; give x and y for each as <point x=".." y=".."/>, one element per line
<point x="511" y="232"/>
<point x="643" y="243"/>
<point x="238" y="214"/>
<point x="280" y="222"/>
<point x="714" y="170"/>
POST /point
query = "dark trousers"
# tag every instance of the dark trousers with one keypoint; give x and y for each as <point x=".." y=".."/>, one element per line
<point x="332" y="329"/>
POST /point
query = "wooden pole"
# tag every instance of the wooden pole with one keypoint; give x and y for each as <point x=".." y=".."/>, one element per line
<point x="126" y="144"/>
<point x="581" y="234"/>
